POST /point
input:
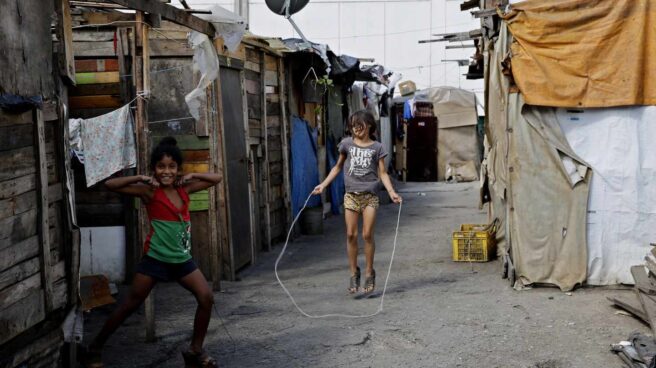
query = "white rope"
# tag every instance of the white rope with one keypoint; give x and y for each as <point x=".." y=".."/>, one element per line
<point x="382" y="298"/>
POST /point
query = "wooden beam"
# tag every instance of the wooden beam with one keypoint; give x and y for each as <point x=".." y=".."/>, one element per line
<point x="171" y="13"/>
<point x="42" y="199"/>
<point x="65" y="36"/>
<point x="630" y="305"/>
<point x="642" y="280"/>
<point x="145" y="54"/>
<point x="484" y="13"/>
<point x="123" y="49"/>
<point x="141" y="124"/>
<point x="265" y="138"/>
<point x="115" y="19"/>
<point x="225" y="240"/>
<point x="249" y="164"/>
<point x="95" y="4"/>
<point x="212" y="215"/>
<point x="285" y="146"/>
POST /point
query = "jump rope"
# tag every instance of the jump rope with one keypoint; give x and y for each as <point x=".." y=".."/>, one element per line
<point x="389" y="269"/>
<point x="300" y="310"/>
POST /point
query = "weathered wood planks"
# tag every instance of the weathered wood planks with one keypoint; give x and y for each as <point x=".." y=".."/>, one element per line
<point x="96" y="77"/>
<point x="42" y="201"/>
<point x="171" y="13"/>
<point x="21" y="315"/>
<point x="95" y="102"/>
<point x="96" y="65"/>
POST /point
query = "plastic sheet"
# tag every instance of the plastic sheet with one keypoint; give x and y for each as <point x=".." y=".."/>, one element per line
<point x="337" y="186"/>
<point x="305" y="172"/>
<point x="618" y="144"/>
<point x="207" y="62"/>
<point x="228" y="25"/>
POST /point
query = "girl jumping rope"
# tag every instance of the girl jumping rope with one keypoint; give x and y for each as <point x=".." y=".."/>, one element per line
<point x="166" y="249"/>
<point x="363" y="160"/>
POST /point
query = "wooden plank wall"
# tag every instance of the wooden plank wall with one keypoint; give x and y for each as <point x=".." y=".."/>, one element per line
<point x="104" y="83"/>
<point x="33" y="220"/>
<point x="261" y="72"/>
<point x="100" y="73"/>
<point x="20" y="276"/>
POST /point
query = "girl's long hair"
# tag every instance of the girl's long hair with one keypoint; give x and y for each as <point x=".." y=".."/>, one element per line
<point x="363" y="118"/>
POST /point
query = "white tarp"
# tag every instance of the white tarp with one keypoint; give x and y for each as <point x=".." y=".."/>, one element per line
<point x="457" y="139"/>
<point x="618" y="143"/>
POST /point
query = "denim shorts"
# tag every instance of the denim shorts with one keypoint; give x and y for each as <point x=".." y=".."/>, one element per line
<point x="164" y="271"/>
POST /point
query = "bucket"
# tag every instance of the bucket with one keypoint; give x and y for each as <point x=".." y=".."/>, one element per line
<point x="312" y="221"/>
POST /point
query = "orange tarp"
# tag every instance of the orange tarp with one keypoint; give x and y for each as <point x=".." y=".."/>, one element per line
<point x="586" y="53"/>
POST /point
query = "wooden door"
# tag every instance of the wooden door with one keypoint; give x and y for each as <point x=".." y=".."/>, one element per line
<point x="237" y="166"/>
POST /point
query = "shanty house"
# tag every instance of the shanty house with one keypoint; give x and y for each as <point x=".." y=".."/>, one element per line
<point x="39" y="251"/>
<point x="569" y="105"/>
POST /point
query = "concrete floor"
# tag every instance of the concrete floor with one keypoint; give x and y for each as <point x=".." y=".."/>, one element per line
<point x="437" y="313"/>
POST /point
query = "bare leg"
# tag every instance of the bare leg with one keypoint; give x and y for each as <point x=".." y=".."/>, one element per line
<point x="197" y="284"/>
<point x="368" y="224"/>
<point x="141" y="287"/>
<point x="351" y="218"/>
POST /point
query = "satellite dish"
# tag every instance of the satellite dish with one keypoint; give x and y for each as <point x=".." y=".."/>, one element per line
<point x="286" y="7"/>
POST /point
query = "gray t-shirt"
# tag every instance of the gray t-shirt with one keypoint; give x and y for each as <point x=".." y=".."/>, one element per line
<point x="361" y="165"/>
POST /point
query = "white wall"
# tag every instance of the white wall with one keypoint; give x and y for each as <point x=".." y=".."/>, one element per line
<point x="102" y="251"/>
<point x="386" y="30"/>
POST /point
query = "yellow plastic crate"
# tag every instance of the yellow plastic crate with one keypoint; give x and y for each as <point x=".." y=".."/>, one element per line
<point x="474" y="243"/>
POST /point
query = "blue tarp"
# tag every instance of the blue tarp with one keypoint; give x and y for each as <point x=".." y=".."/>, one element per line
<point x="305" y="170"/>
<point x="337" y="186"/>
<point x="19" y="104"/>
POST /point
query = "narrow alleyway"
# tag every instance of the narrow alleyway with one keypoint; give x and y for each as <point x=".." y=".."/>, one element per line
<point x="437" y="313"/>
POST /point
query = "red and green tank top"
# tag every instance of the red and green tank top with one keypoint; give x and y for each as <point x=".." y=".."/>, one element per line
<point x="169" y="239"/>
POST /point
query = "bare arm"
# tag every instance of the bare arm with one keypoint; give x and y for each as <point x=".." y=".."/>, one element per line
<point x="332" y="175"/>
<point x="384" y="177"/>
<point x="195" y="182"/>
<point x="137" y="186"/>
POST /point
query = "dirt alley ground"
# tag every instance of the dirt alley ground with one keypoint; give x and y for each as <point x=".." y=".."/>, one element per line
<point x="437" y="313"/>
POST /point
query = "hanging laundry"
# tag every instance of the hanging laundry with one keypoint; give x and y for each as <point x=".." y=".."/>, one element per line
<point x="108" y="142"/>
<point x="75" y="138"/>
<point x="357" y="98"/>
<point x="409" y="109"/>
<point x="372" y="99"/>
